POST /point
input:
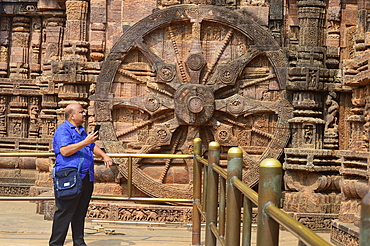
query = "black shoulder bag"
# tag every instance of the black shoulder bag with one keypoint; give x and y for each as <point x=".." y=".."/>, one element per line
<point x="68" y="182"/>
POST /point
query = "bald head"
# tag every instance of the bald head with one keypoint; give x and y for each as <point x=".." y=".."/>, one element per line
<point x="70" y="109"/>
<point x="75" y="114"/>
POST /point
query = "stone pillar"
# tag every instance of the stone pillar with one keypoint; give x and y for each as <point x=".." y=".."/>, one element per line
<point x="356" y="160"/>
<point x="306" y="128"/>
<point x="48" y="116"/>
<point x="75" y="46"/>
<point x="69" y="72"/>
<point x="311" y="16"/>
<point x="53" y="37"/>
<point x="276" y="19"/>
<point x="19" y="60"/>
<point x="309" y="76"/>
<point x="98" y="21"/>
<point x="311" y="175"/>
<point x="333" y="35"/>
<point x="35" y="49"/>
<point x="18" y="117"/>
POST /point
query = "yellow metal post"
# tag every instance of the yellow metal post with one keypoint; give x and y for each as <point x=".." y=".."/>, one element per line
<point x="129" y="177"/>
<point x="269" y="192"/>
<point x="205" y="188"/>
<point x="365" y="221"/>
<point x="222" y="216"/>
<point x="212" y="193"/>
<point x="197" y="179"/>
<point x="247" y="222"/>
<point x="234" y="196"/>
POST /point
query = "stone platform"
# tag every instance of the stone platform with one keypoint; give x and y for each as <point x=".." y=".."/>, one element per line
<point x="20" y="225"/>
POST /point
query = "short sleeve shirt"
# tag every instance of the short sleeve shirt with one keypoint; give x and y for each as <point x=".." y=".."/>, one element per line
<point x="65" y="135"/>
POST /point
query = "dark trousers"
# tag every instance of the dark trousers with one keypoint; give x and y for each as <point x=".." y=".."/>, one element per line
<point x="71" y="212"/>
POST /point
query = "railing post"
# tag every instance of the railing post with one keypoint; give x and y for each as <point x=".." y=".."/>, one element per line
<point x="365" y="221"/>
<point x="247" y="222"/>
<point x="197" y="179"/>
<point x="234" y="197"/>
<point x="212" y="192"/>
<point x="222" y="215"/>
<point x="205" y="189"/>
<point x="269" y="191"/>
<point x="129" y="178"/>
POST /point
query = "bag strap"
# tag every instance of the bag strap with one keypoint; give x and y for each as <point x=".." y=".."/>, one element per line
<point x="81" y="160"/>
<point x="82" y="152"/>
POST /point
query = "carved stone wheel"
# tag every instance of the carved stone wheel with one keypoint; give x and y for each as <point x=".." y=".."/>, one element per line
<point x="192" y="71"/>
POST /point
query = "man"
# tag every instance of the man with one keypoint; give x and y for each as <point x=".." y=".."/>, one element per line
<point x="70" y="139"/>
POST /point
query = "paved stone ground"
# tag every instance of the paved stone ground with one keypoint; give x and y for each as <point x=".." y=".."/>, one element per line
<point x="20" y="225"/>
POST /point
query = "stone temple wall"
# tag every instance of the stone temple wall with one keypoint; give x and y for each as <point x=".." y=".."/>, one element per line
<point x="283" y="79"/>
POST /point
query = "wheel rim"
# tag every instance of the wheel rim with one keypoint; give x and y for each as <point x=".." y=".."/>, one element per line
<point x="193" y="73"/>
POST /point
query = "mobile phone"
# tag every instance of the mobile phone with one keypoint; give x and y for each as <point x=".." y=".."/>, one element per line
<point x="96" y="128"/>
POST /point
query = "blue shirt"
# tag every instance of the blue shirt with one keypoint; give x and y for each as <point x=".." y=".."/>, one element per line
<point x="66" y="134"/>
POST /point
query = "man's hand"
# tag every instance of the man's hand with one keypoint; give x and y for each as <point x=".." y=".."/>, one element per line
<point x="91" y="138"/>
<point x="108" y="162"/>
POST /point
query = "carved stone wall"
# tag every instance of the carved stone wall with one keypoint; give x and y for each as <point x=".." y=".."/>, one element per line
<point x="132" y="212"/>
<point x="283" y="79"/>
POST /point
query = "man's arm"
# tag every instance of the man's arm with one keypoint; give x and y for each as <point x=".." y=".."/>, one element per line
<point x="73" y="148"/>
<point x="99" y="152"/>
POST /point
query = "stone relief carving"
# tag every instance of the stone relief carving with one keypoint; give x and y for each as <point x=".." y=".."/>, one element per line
<point x="331" y="126"/>
<point x="172" y="98"/>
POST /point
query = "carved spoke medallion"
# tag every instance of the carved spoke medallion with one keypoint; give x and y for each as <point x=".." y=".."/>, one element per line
<point x="186" y="72"/>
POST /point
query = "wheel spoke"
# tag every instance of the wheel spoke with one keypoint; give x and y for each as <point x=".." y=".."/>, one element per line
<point x="227" y="73"/>
<point x="152" y="104"/>
<point x="237" y="105"/>
<point x="168" y="161"/>
<point x="155" y="60"/>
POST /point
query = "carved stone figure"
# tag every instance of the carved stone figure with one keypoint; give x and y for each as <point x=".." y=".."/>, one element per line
<point x="333" y="107"/>
<point x="3" y="115"/>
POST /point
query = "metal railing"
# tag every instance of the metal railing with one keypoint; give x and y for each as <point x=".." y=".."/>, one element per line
<point x="211" y="204"/>
<point x="365" y="221"/>
<point x="115" y="198"/>
<point x="221" y="187"/>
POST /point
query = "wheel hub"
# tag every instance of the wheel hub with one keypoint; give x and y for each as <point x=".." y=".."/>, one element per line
<point x="194" y="104"/>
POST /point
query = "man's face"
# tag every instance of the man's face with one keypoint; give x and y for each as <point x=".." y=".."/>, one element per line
<point x="78" y="115"/>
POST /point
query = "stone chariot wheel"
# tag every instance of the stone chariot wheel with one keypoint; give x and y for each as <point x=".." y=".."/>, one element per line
<point x="192" y="71"/>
